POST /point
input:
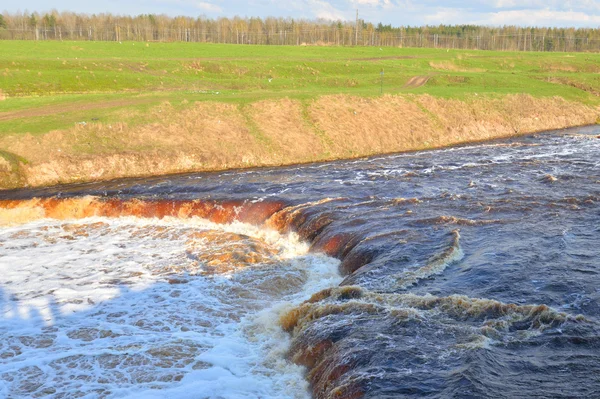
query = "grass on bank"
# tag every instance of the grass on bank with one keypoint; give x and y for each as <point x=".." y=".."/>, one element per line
<point x="50" y="85"/>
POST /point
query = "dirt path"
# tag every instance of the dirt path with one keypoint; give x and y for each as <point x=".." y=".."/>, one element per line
<point x="402" y="57"/>
<point x="62" y="108"/>
<point x="416" y="81"/>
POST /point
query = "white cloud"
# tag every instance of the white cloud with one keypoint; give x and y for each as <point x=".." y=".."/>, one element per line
<point x="209" y="7"/>
<point x="325" y="10"/>
<point x="368" y="2"/>
<point x="541" y="18"/>
<point x="446" y="16"/>
<point x="372" y="3"/>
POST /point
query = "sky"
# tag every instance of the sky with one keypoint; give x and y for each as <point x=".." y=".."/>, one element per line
<point x="555" y="13"/>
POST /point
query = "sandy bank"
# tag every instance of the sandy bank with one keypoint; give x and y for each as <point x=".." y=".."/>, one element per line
<point x="215" y="136"/>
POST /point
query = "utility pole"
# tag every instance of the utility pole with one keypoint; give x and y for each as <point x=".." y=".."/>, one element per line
<point x="356" y="29"/>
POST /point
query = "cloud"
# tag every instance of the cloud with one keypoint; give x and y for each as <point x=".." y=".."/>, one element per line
<point x="368" y="2"/>
<point x="372" y="3"/>
<point x="326" y="10"/>
<point x="551" y="13"/>
<point x="202" y="5"/>
<point x="445" y="14"/>
<point x="546" y="17"/>
<point x="555" y="5"/>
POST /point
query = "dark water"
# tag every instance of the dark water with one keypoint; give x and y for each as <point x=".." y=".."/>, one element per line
<point x="470" y="272"/>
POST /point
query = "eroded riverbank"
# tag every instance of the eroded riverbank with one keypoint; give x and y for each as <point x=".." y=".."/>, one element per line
<point x="213" y="136"/>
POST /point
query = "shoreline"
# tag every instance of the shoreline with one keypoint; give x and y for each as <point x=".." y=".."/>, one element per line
<point x="217" y="137"/>
<point x="298" y="164"/>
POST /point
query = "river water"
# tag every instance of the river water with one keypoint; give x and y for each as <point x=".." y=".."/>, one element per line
<point x="466" y="272"/>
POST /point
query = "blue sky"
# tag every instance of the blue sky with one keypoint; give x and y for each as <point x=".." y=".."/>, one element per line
<point x="578" y="13"/>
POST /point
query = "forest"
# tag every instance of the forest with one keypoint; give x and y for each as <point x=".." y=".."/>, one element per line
<point x="65" y="25"/>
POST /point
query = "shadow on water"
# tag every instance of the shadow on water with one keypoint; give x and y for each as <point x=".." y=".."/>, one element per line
<point x="140" y="340"/>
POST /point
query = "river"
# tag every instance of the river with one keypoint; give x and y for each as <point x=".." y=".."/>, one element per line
<point x="465" y="272"/>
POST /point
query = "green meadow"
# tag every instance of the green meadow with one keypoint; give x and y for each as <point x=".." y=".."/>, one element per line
<point x="54" y="85"/>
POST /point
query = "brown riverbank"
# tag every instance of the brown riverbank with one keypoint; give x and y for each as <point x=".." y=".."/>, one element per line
<point x="215" y="136"/>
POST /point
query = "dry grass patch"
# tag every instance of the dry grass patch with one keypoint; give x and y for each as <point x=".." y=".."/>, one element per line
<point x="282" y="123"/>
<point x="451" y="66"/>
<point x="559" y="68"/>
<point x="207" y="136"/>
<point x="483" y="119"/>
<point x="217" y="136"/>
<point x="361" y="126"/>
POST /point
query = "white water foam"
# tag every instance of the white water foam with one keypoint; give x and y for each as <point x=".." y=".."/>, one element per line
<point x="115" y="308"/>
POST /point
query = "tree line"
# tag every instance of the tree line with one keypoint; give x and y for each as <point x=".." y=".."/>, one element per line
<point x="56" y="25"/>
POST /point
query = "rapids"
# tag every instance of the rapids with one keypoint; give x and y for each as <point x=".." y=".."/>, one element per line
<point x="464" y="272"/>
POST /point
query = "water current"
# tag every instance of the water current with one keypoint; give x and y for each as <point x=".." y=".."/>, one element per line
<point x="466" y="272"/>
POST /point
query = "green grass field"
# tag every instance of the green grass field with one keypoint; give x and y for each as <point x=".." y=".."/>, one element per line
<point x="50" y="85"/>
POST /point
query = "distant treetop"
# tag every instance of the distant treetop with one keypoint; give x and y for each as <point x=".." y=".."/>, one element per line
<point x="287" y="31"/>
